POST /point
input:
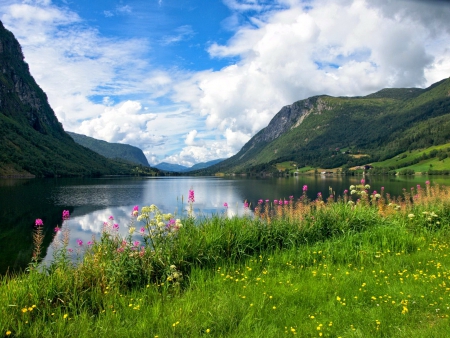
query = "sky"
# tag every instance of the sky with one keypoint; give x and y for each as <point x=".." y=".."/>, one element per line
<point x="190" y="81"/>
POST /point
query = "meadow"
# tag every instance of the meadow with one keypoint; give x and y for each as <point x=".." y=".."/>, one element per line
<point x="364" y="264"/>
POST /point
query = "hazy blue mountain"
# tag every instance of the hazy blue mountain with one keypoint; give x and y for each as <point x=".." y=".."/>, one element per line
<point x="204" y="165"/>
<point x="180" y="168"/>
<point x="164" y="166"/>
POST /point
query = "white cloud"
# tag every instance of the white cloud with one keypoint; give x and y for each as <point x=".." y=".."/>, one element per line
<point x="181" y="33"/>
<point x="286" y="50"/>
<point x="190" y="138"/>
<point x="124" y="9"/>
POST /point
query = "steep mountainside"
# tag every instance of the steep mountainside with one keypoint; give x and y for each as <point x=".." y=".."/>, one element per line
<point x="111" y="150"/>
<point x="32" y="141"/>
<point x="328" y="132"/>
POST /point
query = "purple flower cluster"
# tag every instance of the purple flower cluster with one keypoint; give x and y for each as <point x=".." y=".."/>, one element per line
<point x="191" y="198"/>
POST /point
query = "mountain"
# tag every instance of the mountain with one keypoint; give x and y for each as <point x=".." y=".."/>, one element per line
<point x="181" y="168"/>
<point x="111" y="150"/>
<point x="328" y="132"/>
<point x="32" y="141"/>
<point x="203" y="165"/>
<point x="164" y="166"/>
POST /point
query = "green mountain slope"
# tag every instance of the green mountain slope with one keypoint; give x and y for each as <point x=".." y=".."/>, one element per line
<point x="111" y="150"/>
<point x="32" y="141"/>
<point x="328" y="132"/>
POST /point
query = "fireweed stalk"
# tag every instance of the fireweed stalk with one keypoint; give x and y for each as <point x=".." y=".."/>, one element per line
<point x="191" y="200"/>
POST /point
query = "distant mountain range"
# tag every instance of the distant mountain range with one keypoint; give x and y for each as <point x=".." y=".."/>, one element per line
<point x="330" y="132"/>
<point x="121" y="151"/>
<point x="164" y="166"/>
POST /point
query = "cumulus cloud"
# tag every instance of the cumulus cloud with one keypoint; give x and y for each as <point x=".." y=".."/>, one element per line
<point x="190" y="137"/>
<point x="281" y="51"/>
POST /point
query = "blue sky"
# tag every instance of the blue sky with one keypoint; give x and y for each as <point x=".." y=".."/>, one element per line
<point x="189" y="81"/>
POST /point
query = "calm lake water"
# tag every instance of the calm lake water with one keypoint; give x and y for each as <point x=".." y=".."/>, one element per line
<point x="92" y="201"/>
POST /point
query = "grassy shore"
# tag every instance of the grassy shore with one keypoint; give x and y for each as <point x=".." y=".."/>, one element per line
<point x="363" y="265"/>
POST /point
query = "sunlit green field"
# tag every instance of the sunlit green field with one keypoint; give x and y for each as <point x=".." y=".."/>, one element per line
<point x="356" y="266"/>
<point x="424" y="165"/>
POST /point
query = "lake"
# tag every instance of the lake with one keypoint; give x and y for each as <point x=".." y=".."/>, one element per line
<point x="91" y="201"/>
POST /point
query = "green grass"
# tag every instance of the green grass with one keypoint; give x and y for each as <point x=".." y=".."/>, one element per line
<point x="313" y="269"/>
<point x="422" y="166"/>
<point x="433" y="164"/>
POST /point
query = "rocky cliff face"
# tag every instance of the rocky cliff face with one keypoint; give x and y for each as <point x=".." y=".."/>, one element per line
<point x="288" y="117"/>
<point x="20" y="96"/>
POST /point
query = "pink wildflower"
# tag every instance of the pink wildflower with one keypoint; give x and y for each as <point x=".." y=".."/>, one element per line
<point x="111" y="218"/>
<point x="363" y="181"/>
<point x="38" y="222"/>
<point x="135" y="211"/>
<point x="79" y="242"/>
<point x="57" y="229"/>
<point x="191" y="198"/>
<point x="305" y="188"/>
<point x="65" y="214"/>
<point x="136" y="244"/>
<point x="142" y="230"/>
<point x="225" y="205"/>
<point x="427" y="182"/>
<point x="116" y="226"/>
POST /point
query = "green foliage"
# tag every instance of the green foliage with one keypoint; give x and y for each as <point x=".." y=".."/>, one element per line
<point x="380" y="125"/>
<point x="111" y="150"/>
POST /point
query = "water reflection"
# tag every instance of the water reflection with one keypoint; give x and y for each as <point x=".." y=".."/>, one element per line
<point x="92" y="201"/>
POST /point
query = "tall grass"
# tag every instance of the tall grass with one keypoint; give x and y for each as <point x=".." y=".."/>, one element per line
<point x="357" y="265"/>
